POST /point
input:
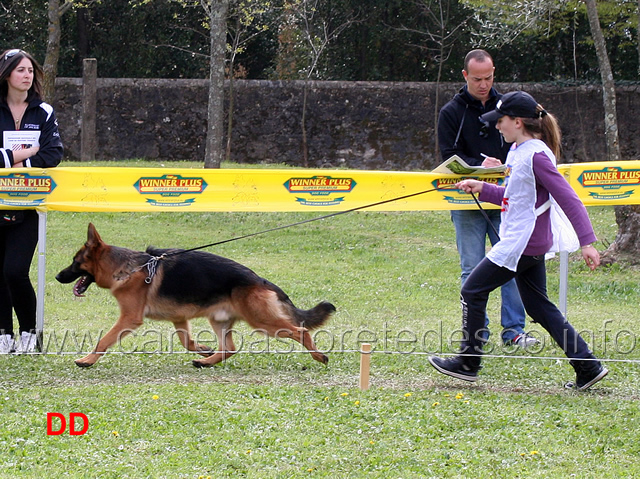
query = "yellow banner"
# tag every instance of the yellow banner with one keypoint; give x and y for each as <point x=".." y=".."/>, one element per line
<point x="605" y="183"/>
<point x="181" y="189"/>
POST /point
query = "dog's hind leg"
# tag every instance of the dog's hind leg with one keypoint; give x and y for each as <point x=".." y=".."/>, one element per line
<point x="303" y="337"/>
<point x="183" y="330"/>
<point x="264" y="312"/>
<point x="283" y="329"/>
<point x="226" y="348"/>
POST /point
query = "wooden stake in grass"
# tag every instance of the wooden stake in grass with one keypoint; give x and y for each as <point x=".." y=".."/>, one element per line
<point x="365" y="363"/>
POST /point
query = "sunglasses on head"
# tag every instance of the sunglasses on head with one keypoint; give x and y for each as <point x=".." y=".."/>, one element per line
<point x="12" y="53"/>
<point x="484" y="128"/>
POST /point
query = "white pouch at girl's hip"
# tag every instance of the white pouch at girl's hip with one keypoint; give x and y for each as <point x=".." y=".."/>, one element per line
<point x="564" y="236"/>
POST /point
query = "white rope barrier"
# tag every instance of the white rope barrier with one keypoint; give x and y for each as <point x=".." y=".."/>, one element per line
<point x="365" y="357"/>
<point x="363" y="352"/>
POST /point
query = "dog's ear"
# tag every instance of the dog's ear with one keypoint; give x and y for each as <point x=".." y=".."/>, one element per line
<point x="92" y="235"/>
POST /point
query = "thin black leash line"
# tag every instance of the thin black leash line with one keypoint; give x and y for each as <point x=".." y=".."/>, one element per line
<point x="486" y="217"/>
<point x="152" y="263"/>
<point x="337" y="213"/>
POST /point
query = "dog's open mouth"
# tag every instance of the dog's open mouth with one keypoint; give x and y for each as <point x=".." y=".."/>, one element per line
<point x="81" y="286"/>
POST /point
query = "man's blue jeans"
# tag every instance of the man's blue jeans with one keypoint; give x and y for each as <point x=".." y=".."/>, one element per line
<point x="471" y="231"/>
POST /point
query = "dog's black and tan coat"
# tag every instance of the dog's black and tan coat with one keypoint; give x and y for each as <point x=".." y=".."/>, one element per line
<point x="187" y="285"/>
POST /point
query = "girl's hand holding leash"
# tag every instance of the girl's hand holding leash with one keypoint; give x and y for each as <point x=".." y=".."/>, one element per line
<point x="589" y="253"/>
<point x="470" y="186"/>
<point x="591" y="256"/>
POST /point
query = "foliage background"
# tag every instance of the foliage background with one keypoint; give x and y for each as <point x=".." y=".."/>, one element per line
<point x="387" y="41"/>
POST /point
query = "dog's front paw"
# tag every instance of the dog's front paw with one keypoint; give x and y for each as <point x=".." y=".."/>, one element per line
<point x="83" y="364"/>
<point x="200" y="364"/>
<point x="87" y="361"/>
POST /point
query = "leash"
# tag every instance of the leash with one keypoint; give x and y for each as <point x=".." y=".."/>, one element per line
<point x="486" y="217"/>
<point x="152" y="263"/>
<point x="337" y="213"/>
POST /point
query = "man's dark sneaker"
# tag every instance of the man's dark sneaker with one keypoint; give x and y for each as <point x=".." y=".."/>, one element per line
<point x="588" y="372"/>
<point x="455" y="367"/>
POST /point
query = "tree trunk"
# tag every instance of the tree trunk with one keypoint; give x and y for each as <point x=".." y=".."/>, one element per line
<point x="436" y="104"/>
<point x="627" y="217"/>
<point x="627" y="243"/>
<point x="50" y="65"/>
<point x="303" y="124"/>
<point x="608" y="85"/>
<point x="214" y="151"/>
<point x="232" y="66"/>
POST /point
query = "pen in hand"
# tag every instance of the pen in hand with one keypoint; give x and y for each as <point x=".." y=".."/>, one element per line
<point x="490" y="162"/>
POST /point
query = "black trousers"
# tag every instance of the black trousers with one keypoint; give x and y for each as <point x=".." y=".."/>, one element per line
<point x="17" y="246"/>
<point x="531" y="278"/>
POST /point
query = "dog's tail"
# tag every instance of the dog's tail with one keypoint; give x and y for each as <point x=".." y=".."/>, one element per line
<point x="309" y="318"/>
<point x="314" y="317"/>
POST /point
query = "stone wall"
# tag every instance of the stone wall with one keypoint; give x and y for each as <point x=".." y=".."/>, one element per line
<point x="360" y="125"/>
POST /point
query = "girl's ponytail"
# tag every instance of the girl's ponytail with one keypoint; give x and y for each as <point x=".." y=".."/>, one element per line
<point x="546" y="128"/>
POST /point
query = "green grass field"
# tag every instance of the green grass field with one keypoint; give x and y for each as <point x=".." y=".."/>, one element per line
<point x="272" y="411"/>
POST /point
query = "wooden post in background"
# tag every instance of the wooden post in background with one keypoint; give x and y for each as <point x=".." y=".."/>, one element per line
<point x="88" y="122"/>
<point x="365" y="366"/>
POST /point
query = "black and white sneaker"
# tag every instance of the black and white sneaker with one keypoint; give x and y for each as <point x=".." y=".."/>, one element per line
<point x="524" y="341"/>
<point x="587" y="374"/>
<point x="454" y="367"/>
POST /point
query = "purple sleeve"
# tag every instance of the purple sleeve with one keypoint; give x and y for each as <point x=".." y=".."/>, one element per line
<point x="548" y="176"/>
<point x="491" y="193"/>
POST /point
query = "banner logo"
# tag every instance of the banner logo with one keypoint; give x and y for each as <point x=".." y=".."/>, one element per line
<point x="611" y="177"/>
<point x="23" y="184"/>
<point x="170" y="186"/>
<point x="25" y="190"/>
<point x="608" y="179"/>
<point x="320" y="186"/>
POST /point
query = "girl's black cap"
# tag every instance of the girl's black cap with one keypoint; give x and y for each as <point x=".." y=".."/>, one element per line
<point x="514" y="104"/>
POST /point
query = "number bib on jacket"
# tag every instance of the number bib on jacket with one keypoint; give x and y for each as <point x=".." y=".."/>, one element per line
<point x="518" y="217"/>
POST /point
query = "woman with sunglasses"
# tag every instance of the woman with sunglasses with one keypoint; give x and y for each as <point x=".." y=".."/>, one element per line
<point x="30" y="138"/>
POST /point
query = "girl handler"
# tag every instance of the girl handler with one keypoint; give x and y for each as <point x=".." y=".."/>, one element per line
<point x="525" y="237"/>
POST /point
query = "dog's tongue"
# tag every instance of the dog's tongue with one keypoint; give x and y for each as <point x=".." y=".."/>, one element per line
<point x="79" y="288"/>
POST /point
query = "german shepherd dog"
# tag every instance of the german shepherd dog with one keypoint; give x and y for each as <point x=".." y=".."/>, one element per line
<point x="177" y="285"/>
